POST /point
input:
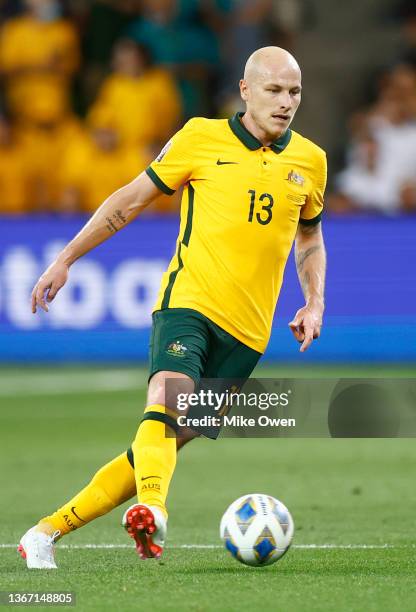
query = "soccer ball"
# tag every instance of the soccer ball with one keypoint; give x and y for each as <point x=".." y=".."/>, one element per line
<point x="257" y="529"/>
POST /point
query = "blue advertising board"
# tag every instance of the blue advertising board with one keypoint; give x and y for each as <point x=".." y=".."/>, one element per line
<point x="103" y="314"/>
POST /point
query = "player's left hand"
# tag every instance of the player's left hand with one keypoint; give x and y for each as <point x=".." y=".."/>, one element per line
<point x="306" y="325"/>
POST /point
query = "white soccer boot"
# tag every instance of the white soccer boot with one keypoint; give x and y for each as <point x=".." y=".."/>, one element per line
<point x="36" y="548"/>
<point x="147" y="525"/>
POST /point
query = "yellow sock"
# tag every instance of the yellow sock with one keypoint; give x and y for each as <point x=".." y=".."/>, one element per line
<point x="154" y="459"/>
<point x="111" y="486"/>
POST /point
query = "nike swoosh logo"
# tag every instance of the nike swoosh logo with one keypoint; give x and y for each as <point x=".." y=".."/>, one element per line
<point x="75" y="514"/>
<point x="146" y="477"/>
<point x="223" y="163"/>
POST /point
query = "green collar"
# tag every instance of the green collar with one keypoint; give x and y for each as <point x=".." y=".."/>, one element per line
<point x="251" y="141"/>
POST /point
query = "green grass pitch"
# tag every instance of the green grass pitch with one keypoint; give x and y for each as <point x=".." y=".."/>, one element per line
<point x="352" y="502"/>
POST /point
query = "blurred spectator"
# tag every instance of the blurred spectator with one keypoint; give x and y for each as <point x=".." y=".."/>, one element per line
<point x="106" y="21"/>
<point x="38" y="56"/>
<point x="96" y="164"/>
<point x="252" y="24"/>
<point x="138" y="106"/>
<point x="44" y="145"/>
<point x="179" y="38"/>
<point x="142" y="99"/>
<point x="9" y="8"/>
<point x="406" y="12"/>
<point x="396" y="100"/>
<point x="14" y="172"/>
<point x="362" y="185"/>
<point x="103" y="22"/>
<point x="381" y="172"/>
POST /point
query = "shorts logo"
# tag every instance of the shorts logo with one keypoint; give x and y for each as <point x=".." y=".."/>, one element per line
<point x="294" y="177"/>
<point x="176" y="349"/>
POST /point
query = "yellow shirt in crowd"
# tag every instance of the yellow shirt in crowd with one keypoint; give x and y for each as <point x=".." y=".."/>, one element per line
<point x="144" y="110"/>
<point x="37" y="59"/>
<point x="15" y="182"/>
<point x="95" y="174"/>
<point x="43" y="150"/>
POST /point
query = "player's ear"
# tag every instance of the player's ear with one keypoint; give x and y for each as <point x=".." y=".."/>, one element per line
<point x="244" y="90"/>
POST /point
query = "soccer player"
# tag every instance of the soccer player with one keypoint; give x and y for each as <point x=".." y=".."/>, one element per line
<point x="251" y="187"/>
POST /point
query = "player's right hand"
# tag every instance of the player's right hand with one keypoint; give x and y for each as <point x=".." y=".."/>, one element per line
<point x="48" y="285"/>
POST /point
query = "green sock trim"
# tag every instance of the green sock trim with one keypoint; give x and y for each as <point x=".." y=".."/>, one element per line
<point x="162" y="418"/>
<point x="130" y="456"/>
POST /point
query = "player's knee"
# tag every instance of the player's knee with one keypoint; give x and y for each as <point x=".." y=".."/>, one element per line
<point x="169" y="389"/>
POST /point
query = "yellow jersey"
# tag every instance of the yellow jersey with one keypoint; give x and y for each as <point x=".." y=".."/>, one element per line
<point x="240" y="210"/>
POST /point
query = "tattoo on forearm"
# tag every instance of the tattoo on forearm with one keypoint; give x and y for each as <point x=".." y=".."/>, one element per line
<point x="302" y="256"/>
<point x="110" y="225"/>
<point x="119" y="216"/>
<point x="116" y="222"/>
<point x="311" y="271"/>
<point x="308" y="230"/>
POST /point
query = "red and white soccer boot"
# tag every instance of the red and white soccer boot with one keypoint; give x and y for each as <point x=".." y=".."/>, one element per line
<point x="37" y="548"/>
<point x="147" y="525"/>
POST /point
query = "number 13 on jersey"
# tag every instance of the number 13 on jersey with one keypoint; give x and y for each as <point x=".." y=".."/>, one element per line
<point x="265" y="215"/>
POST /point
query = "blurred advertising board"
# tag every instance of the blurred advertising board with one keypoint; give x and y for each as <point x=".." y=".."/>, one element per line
<point x="103" y="314"/>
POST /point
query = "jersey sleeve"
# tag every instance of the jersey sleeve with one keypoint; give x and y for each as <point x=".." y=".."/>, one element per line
<point x="312" y="209"/>
<point x="175" y="164"/>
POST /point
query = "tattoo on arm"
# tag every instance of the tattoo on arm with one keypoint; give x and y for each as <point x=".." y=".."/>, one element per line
<point x="309" y="230"/>
<point x="115" y="222"/>
<point x="110" y="225"/>
<point x="302" y="256"/>
<point x="310" y="259"/>
<point x="119" y="216"/>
